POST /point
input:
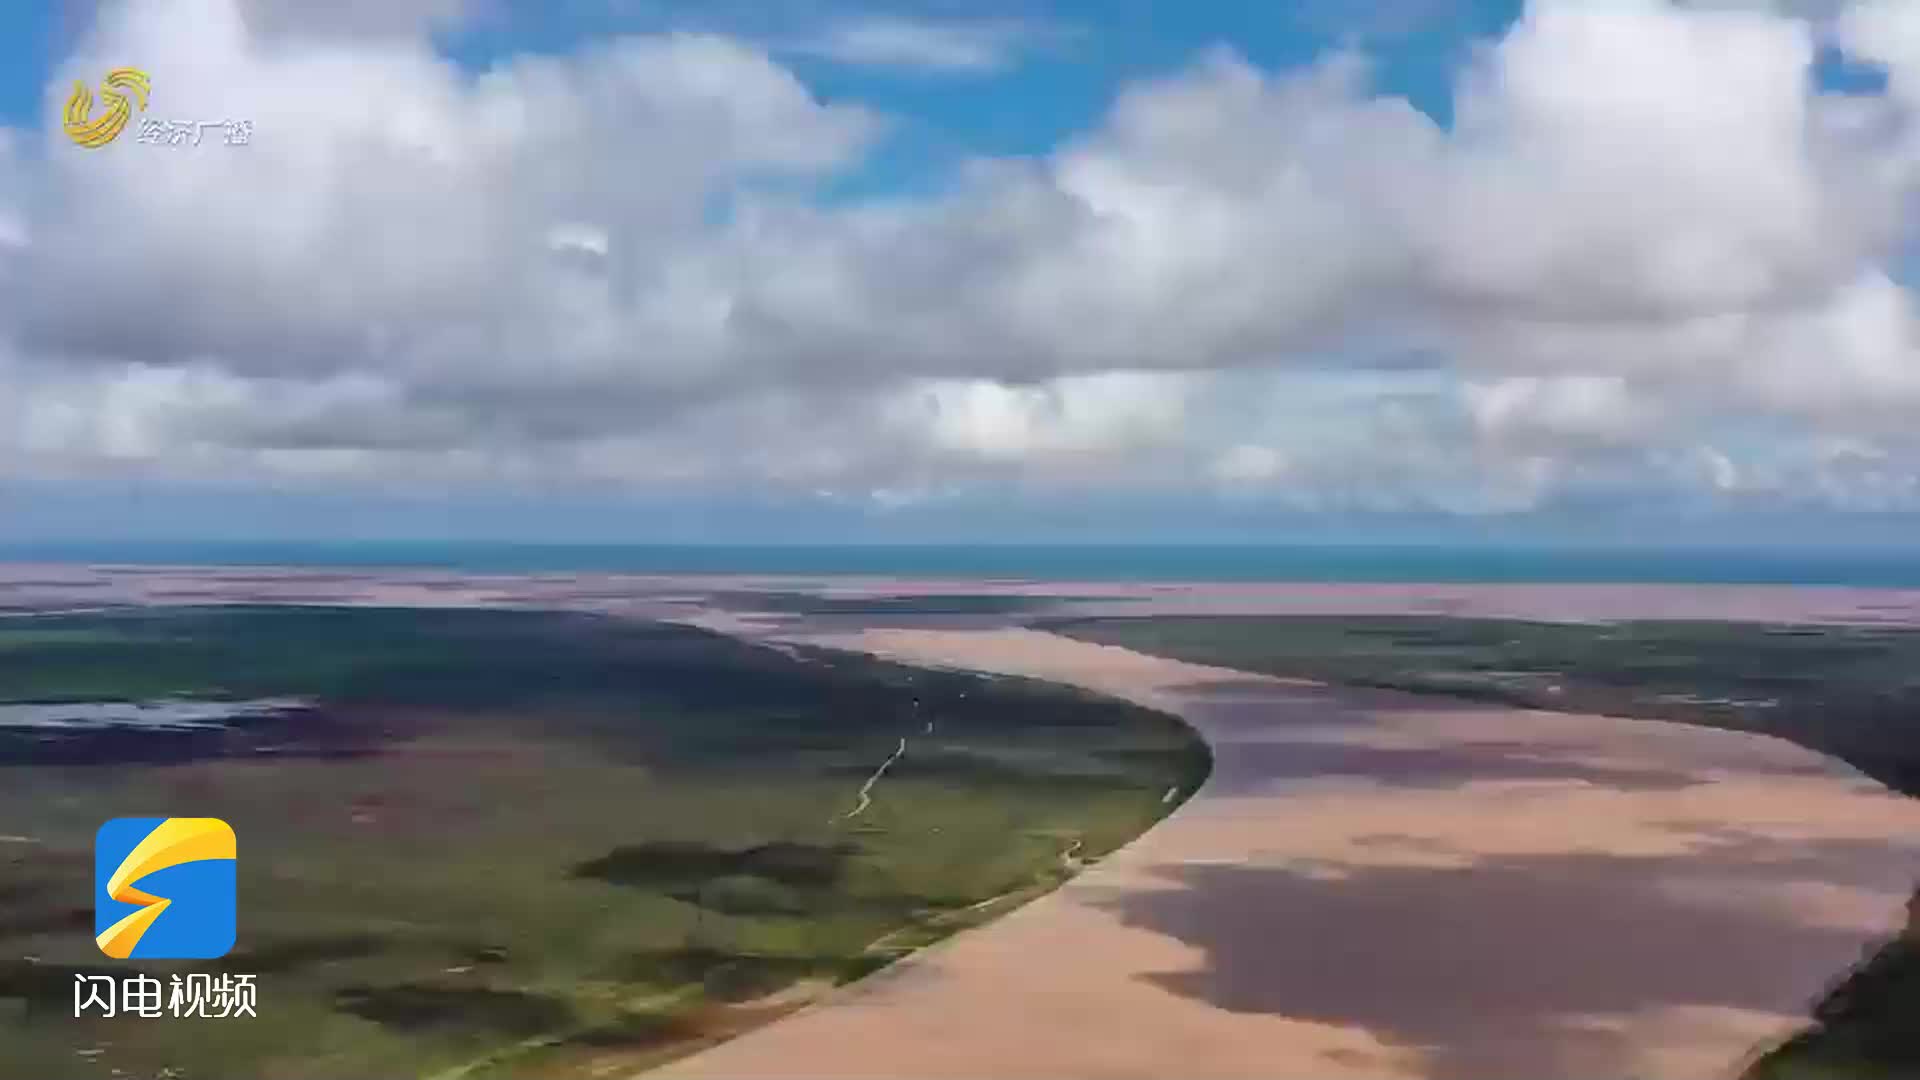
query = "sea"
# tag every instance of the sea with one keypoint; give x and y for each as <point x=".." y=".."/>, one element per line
<point x="1878" y="567"/>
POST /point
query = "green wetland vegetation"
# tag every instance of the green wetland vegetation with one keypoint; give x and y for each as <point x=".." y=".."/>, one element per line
<point x="492" y="843"/>
<point x="1850" y="692"/>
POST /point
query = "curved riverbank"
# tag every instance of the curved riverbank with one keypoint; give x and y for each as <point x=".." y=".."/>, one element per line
<point x="646" y="827"/>
<point x="1373" y="884"/>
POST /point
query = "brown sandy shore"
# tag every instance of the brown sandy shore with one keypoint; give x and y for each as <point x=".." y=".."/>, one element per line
<point x="1369" y="885"/>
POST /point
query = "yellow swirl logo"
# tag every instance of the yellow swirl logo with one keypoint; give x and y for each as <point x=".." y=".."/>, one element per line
<point x="92" y="131"/>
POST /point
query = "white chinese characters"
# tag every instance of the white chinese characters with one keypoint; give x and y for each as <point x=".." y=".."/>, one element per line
<point x="216" y="997"/>
<point x="100" y="991"/>
<point x="190" y="133"/>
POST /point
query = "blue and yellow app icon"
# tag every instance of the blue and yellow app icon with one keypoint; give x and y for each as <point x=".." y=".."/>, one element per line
<point x="164" y="888"/>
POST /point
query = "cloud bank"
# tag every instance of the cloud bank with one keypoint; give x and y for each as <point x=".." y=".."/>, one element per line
<point x="1650" y="257"/>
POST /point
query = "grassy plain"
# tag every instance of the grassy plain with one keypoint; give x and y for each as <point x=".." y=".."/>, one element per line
<point x="532" y="844"/>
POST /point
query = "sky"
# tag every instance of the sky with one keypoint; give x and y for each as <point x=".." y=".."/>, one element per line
<point x="1631" y="271"/>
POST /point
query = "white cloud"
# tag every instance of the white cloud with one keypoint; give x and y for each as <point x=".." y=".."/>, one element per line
<point x="1646" y="231"/>
<point x="970" y="47"/>
<point x="1886" y="32"/>
<point x="393" y="215"/>
<point x="360" y="18"/>
<point x="1248" y="465"/>
<point x="14" y="230"/>
<point x="1085" y="416"/>
<point x="1634" y="161"/>
<point x="1554" y="410"/>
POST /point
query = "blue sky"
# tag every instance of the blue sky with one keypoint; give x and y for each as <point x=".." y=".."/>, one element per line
<point x="1055" y="85"/>
<point x="1087" y="49"/>
<point x="1066" y="60"/>
<point x="30" y="38"/>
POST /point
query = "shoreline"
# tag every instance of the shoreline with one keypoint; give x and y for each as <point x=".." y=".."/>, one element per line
<point x="26" y="587"/>
<point x="1880" y="563"/>
<point x="1131" y="916"/>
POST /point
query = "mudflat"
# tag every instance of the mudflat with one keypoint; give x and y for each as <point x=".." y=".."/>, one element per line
<point x="1374" y="884"/>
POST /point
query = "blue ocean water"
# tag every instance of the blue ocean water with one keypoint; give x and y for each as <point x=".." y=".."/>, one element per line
<point x="1112" y="563"/>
